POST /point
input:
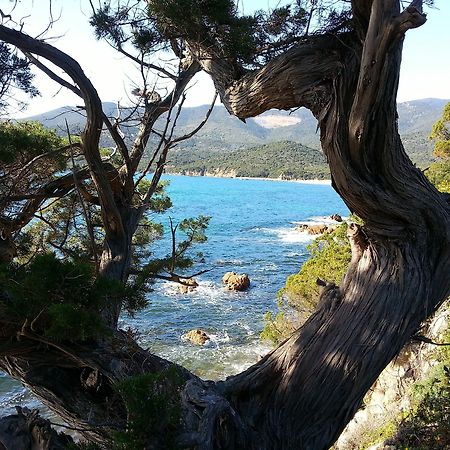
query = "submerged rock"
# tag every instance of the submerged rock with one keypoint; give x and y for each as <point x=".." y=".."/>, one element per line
<point x="236" y="282"/>
<point x="197" y="337"/>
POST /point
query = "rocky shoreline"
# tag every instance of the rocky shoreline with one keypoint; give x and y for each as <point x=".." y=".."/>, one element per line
<point x="232" y="174"/>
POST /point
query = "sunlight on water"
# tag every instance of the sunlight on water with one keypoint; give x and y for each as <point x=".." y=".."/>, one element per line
<point x="252" y="231"/>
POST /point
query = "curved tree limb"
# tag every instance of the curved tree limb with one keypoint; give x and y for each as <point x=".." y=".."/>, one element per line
<point x="298" y="77"/>
<point x="53" y="189"/>
<point x="91" y="134"/>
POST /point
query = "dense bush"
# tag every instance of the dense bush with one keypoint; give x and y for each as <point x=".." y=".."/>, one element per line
<point x="62" y="299"/>
<point x="329" y="257"/>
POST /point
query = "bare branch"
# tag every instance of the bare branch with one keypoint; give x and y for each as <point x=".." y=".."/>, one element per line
<point x="53" y="189"/>
<point x="87" y="217"/>
<point x="412" y="17"/>
<point x="111" y="128"/>
<point x="46" y="155"/>
<point x="143" y="63"/>
<point x="426" y="340"/>
<point x="200" y="125"/>
<point x="153" y="112"/>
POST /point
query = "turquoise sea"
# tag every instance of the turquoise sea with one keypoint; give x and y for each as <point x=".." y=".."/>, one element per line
<point x="252" y="230"/>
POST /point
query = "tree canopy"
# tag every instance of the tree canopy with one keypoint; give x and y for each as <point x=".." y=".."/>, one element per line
<point x="15" y="75"/>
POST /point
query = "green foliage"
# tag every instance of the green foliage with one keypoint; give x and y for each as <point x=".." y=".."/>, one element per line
<point x="194" y="232"/>
<point x="194" y="229"/>
<point x="147" y="232"/>
<point x="159" y="201"/>
<point x="279" y="326"/>
<point x="63" y="227"/>
<point x="215" y="21"/>
<point x="251" y="40"/>
<point x="153" y="407"/>
<point x="441" y="134"/>
<point x="14" y="73"/>
<point x="426" y="425"/>
<point x="62" y="298"/>
<point x="287" y="160"/>
<point x="439" y="174"/>
<point x="73" y="322"/>
<point x="330" y="256"/>
<point x="372" y="436"/>
<point x="22" y="141"/>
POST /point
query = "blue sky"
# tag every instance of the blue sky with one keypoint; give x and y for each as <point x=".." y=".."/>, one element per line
<point x="425" y="66"/>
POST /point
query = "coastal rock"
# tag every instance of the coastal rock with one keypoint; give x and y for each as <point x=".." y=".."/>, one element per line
<point x="316" y="229"/>
<point x="336" y="217"/>
<point x="391" y="395"/>
<point x="189" y="285"/>
<point x="197" y="337"/>
<point x="236" y="282"/>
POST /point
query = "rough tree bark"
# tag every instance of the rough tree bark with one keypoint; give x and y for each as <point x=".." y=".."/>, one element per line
<point x="301" y="395"/>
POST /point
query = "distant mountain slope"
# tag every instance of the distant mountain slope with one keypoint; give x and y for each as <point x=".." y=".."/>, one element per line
<point x="224" y="133"/>
<point x="418" y="116"/>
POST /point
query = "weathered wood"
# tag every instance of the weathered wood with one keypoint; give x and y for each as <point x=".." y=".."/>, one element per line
<point x="26" y="430"/>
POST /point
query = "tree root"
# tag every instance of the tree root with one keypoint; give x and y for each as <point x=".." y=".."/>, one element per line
<point x="27" y="430"/>
<point x="214" y="421"/>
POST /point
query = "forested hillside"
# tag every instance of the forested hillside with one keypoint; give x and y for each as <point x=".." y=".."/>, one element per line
<point x="286" y="160"/>
<point x="274" y="144"/>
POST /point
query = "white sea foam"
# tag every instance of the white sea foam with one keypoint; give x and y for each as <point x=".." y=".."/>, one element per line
<point x="229" y="262"/>
<point x="219" y="338"/>
<point x="291" y="235"/>
<point x="219" y="361"/>
<point x="205" y="289"/>
<point x="287" y="235"/>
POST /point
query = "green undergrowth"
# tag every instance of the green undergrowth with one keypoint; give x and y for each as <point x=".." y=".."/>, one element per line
<point x="153" y="407"/>
<point x="439" y="174"/>
<point x="280" y="325"/>
<point x="152" y="401"/>
<point x="330" y="255"/>
<point x="427" y="425"/>
<point x="61" y="299"/>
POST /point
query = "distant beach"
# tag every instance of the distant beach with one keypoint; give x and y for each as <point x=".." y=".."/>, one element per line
<point x="212" y="175"/>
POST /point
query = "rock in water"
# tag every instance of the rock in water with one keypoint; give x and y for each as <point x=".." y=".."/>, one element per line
<point x="316" y="229"/>
<point x="336" y="217"/>
<point x="236" y="281"/>
<point x="197" y="337"/>
<point x="189" y="285"/>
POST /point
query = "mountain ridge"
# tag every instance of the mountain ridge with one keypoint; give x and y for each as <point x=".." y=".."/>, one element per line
<point x="223" y="134"/>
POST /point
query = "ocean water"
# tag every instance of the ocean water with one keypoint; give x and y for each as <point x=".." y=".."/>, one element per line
<point x="252" y="230"/>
